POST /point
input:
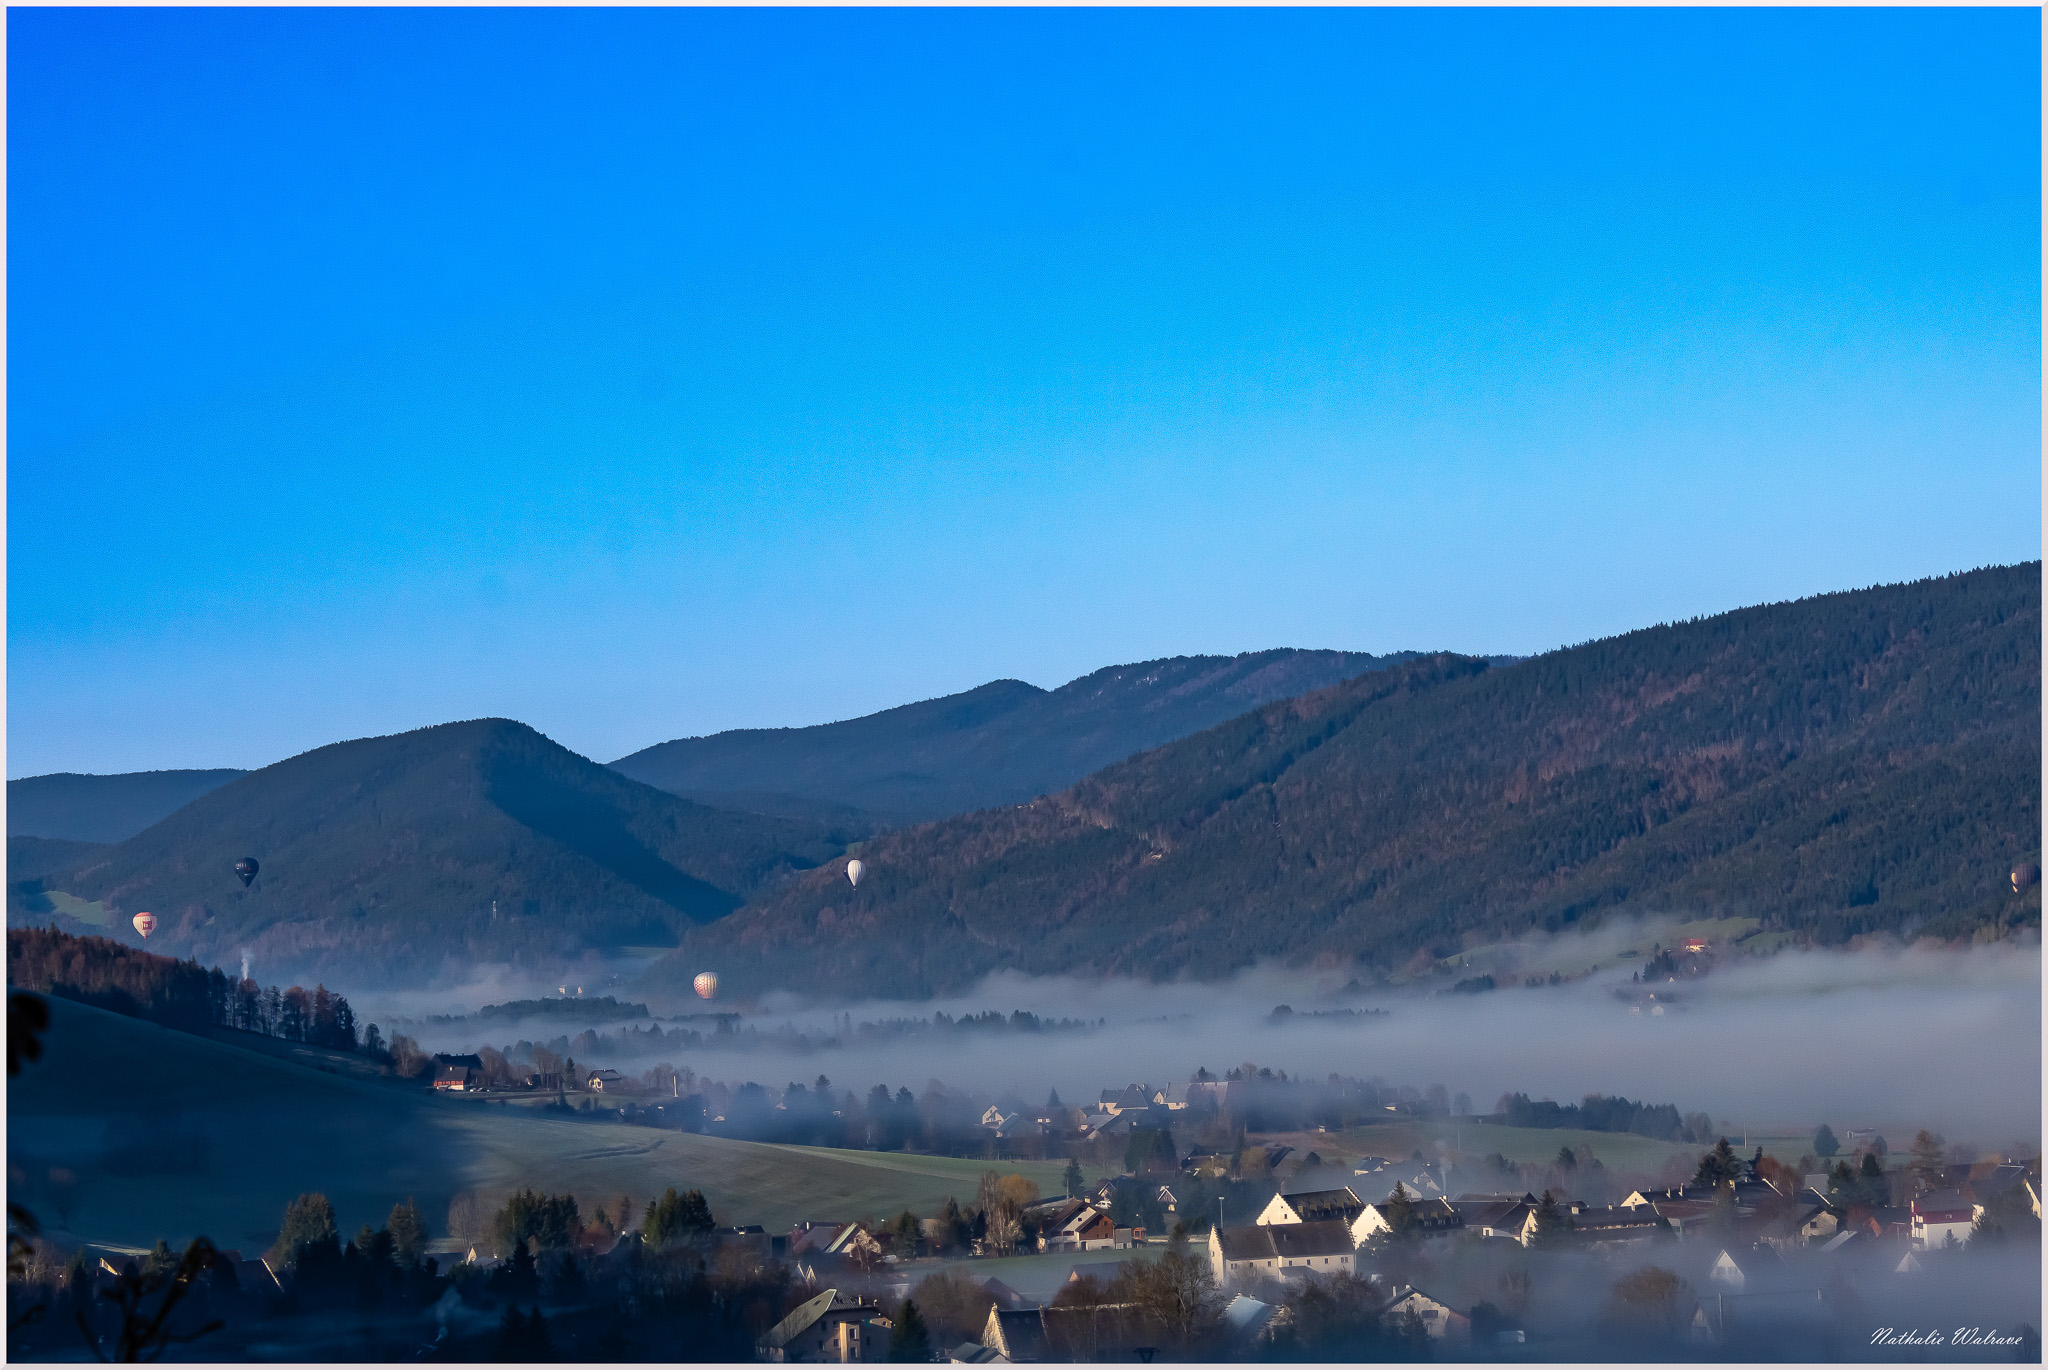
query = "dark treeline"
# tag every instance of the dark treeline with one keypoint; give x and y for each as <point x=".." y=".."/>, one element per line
<point x="1599" y="1113"/>
<point x="632" y="1042"/>
<point x="171" y="993"/>
<point x="579" y="1010"/>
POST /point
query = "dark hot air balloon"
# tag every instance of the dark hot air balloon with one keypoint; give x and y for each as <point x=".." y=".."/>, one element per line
<point x="2025" y="876"/>
<point x="247" y="868"/>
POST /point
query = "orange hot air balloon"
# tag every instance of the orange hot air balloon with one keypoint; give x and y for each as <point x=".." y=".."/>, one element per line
<point x="145" y="923"/>
<point x="706" y="985"/>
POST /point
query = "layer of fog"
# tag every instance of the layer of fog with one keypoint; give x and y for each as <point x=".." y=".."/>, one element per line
<point x="1896" y="1038"/>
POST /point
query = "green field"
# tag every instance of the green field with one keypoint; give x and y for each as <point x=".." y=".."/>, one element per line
<point x="83" y="910"/>
<point x="173" y="1135"/>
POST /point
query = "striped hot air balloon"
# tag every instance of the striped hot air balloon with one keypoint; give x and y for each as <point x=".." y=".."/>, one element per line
<point x="705" y="984"/>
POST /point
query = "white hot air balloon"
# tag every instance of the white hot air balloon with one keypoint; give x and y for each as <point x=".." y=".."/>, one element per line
<point x="706" y="985"/>
<point x="145" y="923"/>
<point x="855" y="869"/>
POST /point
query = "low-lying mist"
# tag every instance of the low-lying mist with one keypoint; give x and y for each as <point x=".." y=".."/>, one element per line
<point x="1887" y="1037"/>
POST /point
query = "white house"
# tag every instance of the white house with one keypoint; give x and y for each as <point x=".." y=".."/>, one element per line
<point x="1439" y="1319"/>
<point x="1940" y="1215"/>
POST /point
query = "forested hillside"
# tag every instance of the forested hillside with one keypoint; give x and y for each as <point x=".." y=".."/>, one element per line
<point x="1848" y="763"/>
<point x="103" y="808"/>
<point x="383" y="858"/>
<point x="999" y="743"/>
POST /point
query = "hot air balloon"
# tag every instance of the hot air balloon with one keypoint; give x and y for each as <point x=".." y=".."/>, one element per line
<point x="855" y="869"/>
<point x="2025" y="876"/>
<point x="247" y="868"/>
<point x="145" y="923"/>
<point x="706" y="985"/>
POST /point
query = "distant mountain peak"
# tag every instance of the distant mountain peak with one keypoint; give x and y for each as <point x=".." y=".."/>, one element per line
<point x="998" y="743"/>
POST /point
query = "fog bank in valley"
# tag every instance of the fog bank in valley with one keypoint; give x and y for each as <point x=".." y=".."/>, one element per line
<point x="1897" y="1038"/>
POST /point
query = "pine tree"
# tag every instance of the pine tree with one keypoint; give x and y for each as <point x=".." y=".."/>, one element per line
<point x="512" y="1335"/>
<point x="1875" y="1190"/>
<point x="1400" y="1215"/>
<point x="408" y="1228"/>
<point x="1824" y="1144"/>
<point x="1927" y="1164"/>
<point x="1553" y="1224"/>
<point x="1719" y="1166"/>
<point x="911" y="1340"/>
<point x="522" y="1274"/>
<point x="538" y="1344"/>
<point x="1075" y="1181"/>
<point x="308" y="1219"/>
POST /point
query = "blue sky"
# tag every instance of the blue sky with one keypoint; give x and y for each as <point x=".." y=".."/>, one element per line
<point x="644" y="373"/>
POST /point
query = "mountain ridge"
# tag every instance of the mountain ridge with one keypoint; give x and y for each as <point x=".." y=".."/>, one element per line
<point x="998" y="743"/>
<point x="69" y="806"/>
<point x="478" y="840"/>
<point x="1855" y="762"/>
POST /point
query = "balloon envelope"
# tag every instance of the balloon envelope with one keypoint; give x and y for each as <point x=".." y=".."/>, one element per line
<point x="706" y="985"/>
<point x="145" y="923"/>
<point x="854" y="870"/>
<point x="247" y="868"/>
<point x="2025" y="876"/>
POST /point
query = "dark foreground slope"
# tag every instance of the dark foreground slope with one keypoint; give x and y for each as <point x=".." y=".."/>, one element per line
<point x="169" y="1135"/>
<point x="103" y="808"/>
<point x="383" y="857"/>
<point x="1847" y="763"/>
<point x="999" y="743"/>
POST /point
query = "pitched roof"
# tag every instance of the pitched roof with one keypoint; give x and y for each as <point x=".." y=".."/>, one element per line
<point x="1288" y="1241"/>
<point x="1018" y="1333"/>
<point x="1316" y="1204"/>
<point x="1508" y="1212"/>
<point x="1940" y="1201"/>
<point x="1611" y="1219"/>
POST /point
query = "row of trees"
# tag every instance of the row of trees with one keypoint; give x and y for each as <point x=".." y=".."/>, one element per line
<point x="172" y="993"/>
<point x="1601" y="1113"/>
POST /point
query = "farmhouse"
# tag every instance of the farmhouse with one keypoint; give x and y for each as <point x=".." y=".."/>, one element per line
<point x="601" y="1080"/>
<point x="460" y="1079"/>
<point x="1282" y="1249"/>
<point x="1077" y="1225"/>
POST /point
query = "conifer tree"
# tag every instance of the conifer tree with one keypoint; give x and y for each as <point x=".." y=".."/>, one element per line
<point x="408" y="1228"/>
<point x="910" y="1340"/>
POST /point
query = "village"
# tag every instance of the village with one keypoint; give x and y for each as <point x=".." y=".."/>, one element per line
<point x="1262" y="1250"/>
